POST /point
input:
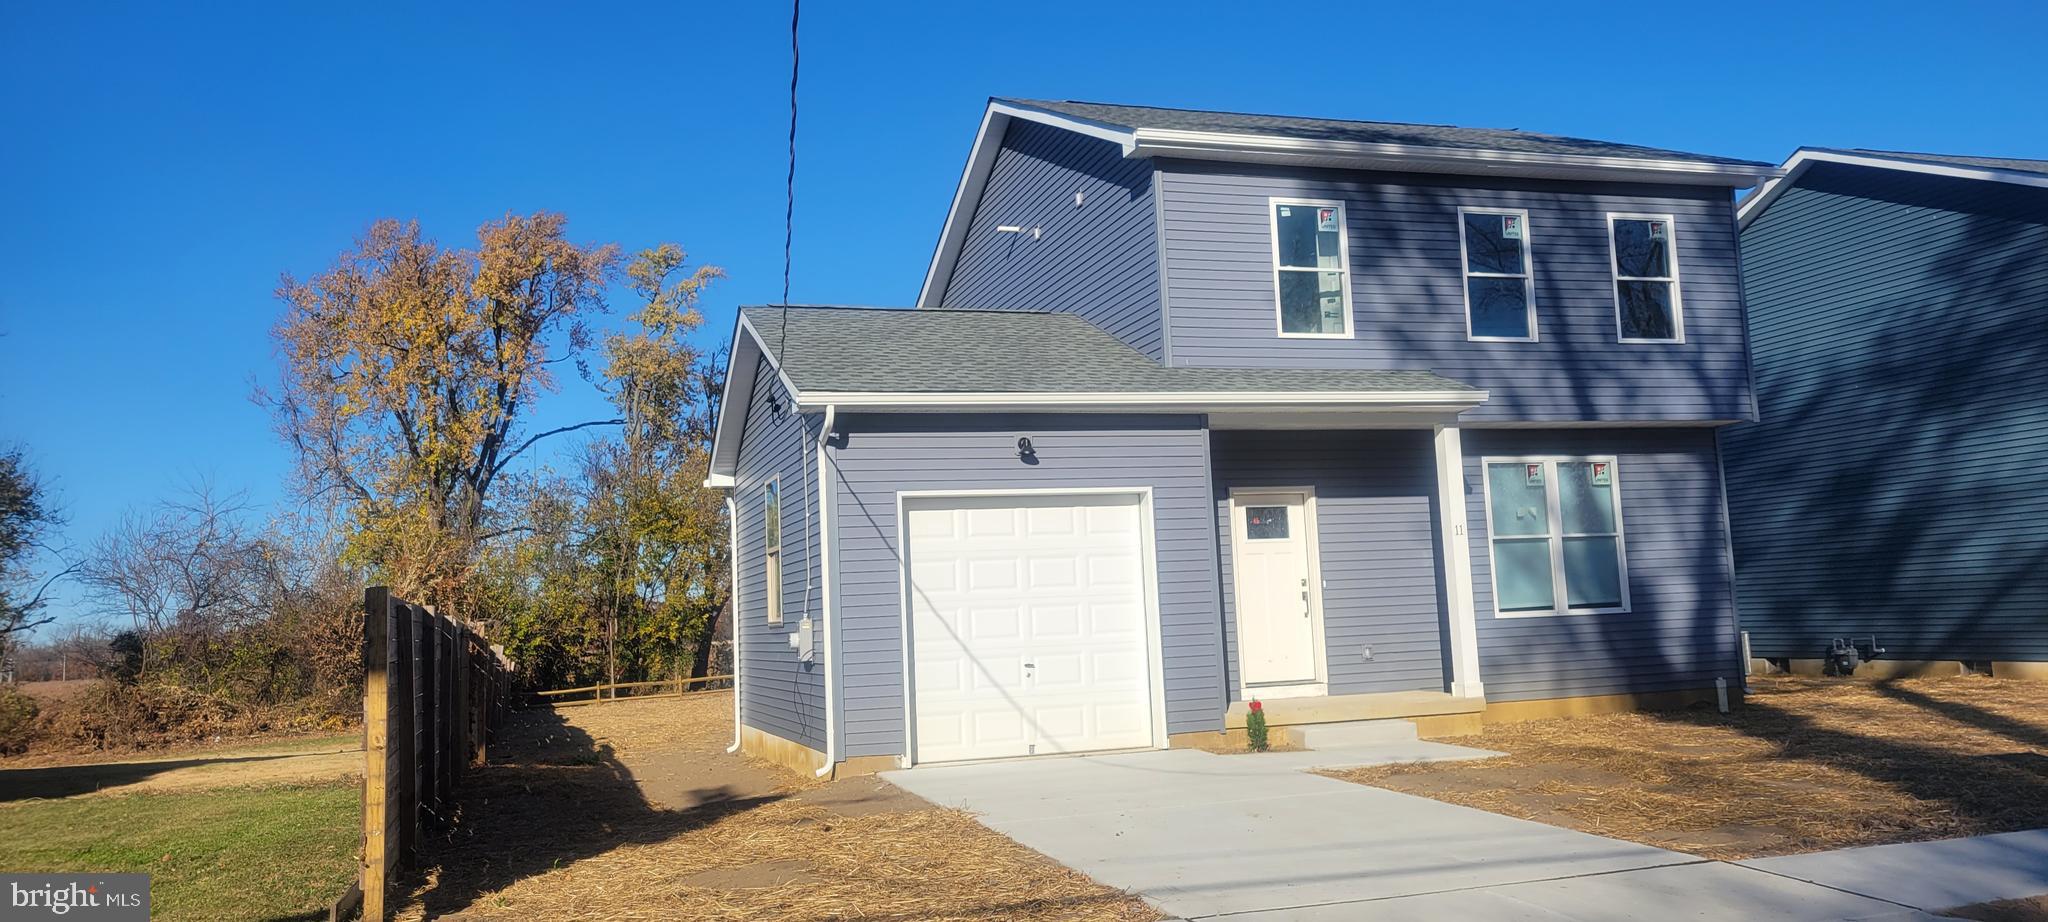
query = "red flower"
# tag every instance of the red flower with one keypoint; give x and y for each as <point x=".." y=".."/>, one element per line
<point x="1256" y="706"/>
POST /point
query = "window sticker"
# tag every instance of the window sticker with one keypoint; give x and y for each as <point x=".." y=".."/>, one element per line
<point x="1656" y="230"/>
<point x="1286" y="212"/>
<point x="1534" y="473"/>
<point x="1511" y="227"/>
<point x="1326" y="219"/>
<point x="1601" y="475"/>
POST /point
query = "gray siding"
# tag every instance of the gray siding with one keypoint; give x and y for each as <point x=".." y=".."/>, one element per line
<point x="1408" y="295"/>
<point x="778" y="693"/>
<point x="1893" y="487"/>
<point x="882" y="455"/>
<point x="1099" y="259"/>
<point x="1680" y="630"/>
<point x="1376" y="533"/>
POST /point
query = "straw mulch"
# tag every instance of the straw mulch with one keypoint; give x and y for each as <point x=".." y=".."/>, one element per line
<point x="1805" y="765"/>
<point x="565" y="829"/>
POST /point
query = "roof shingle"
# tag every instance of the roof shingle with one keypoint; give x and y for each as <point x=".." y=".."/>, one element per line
<point x="881" y="350"/>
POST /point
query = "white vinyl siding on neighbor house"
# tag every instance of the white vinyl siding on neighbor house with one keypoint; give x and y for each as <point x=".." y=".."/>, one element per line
<point x="1554" y="536"/>
<point x="1311" y="268"/>
<point x="1500" y="303"/>
<point x="1648" y="307"/>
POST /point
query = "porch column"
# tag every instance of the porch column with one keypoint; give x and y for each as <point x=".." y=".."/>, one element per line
<point x="1450" y="496"/>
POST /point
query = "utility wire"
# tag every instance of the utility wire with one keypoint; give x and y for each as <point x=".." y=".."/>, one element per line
<point x="789" y="190"/>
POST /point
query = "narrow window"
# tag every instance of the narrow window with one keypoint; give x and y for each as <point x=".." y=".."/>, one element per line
<point x="1499" y="305"/>
<point x="1554" y="529"/>
<point x="1646" y="298"/>
<point x="771" y="538"/>
<point x="1311" y="273"/>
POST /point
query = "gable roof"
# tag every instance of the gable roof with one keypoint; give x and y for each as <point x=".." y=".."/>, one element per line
<point x="901" y="360"/>
<point x="1144" y="131"/>
<point x="2033" y="173"/>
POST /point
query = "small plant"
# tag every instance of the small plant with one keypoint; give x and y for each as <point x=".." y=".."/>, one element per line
<point x="1255" y="727"/>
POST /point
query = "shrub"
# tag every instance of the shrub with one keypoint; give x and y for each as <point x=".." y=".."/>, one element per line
<point x="1255" y="727"/>
<point x="17" y="721"/>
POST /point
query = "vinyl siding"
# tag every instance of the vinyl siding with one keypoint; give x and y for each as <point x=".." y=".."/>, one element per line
<point x="1376" y="535"/>
<point x="1893" y="486"/>
<point x="778" y="693"/>
<point x="1098" y="259"/>
<point x="881" y="455"/>
<point x="1680" y="631"/>
<point x="1408" y="298"/>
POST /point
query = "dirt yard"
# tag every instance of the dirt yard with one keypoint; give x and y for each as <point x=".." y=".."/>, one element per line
<point x="633" y="810"/>
<point x="1806" y="765"/>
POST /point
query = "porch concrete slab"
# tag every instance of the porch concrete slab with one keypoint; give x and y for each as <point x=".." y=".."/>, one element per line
<point x="1198" y="834"/>
<point x="1702" y="890"/>
<point x="1929" y="875"/>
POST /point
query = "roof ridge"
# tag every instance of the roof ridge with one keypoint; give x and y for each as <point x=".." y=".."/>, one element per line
<point x="1317" y="118"/>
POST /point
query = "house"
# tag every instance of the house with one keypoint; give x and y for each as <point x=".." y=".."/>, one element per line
<point x="1898" y="312"/>
<point x="1365" y="421"/>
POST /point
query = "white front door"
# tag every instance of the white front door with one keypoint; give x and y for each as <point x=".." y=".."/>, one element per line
<point x="1272" y="567"/>
<point x="1028" y="626"/>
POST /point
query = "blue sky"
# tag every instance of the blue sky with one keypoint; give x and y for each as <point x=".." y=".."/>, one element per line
<point x="159" y="168"/>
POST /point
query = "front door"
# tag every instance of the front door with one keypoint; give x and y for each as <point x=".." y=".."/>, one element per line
<point x="1272" y="565"/>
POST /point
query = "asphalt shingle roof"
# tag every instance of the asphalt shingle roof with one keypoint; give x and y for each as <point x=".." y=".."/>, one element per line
<point x="1324" y="129"/>
<point x="1994" y="163"/>
<point x="880" y="350"/>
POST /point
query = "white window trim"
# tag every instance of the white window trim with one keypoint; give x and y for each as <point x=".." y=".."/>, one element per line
<point x="1528" y="275"/>
<point x="1343" y="261"/>
<point x="1559" y="608"/>
<point x="771" y="583"/>
<point x="1614" y="268"/>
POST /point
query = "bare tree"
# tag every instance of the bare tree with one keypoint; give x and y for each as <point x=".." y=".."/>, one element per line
<point x="27" y="519"/>
<point x="183" y="575"/>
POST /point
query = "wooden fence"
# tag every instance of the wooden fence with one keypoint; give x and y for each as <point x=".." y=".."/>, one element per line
<point x="660" y="688"/>
<point x="433" y="692"/>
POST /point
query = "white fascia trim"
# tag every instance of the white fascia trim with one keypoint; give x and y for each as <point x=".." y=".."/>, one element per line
<point x="1757" y="203"/>
<point x="1429" y="400"/>
<point x="1207" y="145"/>
<point x="747" y="345"/>
<point x="732" y="603"/>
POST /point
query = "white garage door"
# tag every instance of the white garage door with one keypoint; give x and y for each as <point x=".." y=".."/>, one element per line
<point x="1028" y="626"/>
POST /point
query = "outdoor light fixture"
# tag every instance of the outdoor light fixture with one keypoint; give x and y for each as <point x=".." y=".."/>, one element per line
<point x="1024" y="449"/>
<point x="1014" y="229"/>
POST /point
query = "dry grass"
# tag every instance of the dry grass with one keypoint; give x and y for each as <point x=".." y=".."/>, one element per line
<point x="1806" y="765"/>
<point x="633" y="811"/>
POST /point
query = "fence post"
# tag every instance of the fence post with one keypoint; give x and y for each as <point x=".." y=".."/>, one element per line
<point x="377" y="801"/>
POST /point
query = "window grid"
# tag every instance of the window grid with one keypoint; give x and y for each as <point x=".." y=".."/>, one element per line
<point x="1342" y="269"/>
<point x="1527" y="275"/>
<point x="1555" y="535"/>
<point x="1670" y="278"/>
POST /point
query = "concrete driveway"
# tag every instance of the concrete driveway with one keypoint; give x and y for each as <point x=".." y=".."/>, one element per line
<point x="1255" y="837"/>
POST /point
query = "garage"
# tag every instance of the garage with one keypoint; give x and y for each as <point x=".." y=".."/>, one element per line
<point x="1029" y="631"/>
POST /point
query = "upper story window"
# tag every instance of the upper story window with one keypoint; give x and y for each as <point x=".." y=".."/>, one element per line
<point x="771" y="539"/>
<point x="1499" y="303"/>
<point x="1647" y="307"/>
<point x="1311" y="271"/>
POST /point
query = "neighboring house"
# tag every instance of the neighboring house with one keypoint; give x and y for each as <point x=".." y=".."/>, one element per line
<point x="1362" y="420"/>
<point x="1898" y="312"/>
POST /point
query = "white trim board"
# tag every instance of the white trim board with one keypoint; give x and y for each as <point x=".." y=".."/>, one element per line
<point x="1796" y="165"/>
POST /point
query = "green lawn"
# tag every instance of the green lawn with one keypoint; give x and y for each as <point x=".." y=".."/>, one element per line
<point x="227" y="853"/>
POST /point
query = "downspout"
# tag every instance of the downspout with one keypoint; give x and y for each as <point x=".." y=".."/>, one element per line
<point x="732" y="528"/>
<point x="825" y="541"/>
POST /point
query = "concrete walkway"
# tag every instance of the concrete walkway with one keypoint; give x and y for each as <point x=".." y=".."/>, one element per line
<point x="1929" y="875"/>
<point x="1255" y="837"/>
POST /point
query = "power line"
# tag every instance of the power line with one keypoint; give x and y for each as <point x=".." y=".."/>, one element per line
<point x="789" y="190"/>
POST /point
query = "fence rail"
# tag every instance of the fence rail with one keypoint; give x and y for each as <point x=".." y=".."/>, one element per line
<point x="433" y="693"/>
<point x="610" y="691"/>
